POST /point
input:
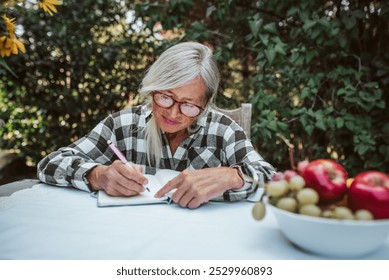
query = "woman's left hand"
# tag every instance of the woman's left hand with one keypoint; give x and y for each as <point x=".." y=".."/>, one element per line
<point x="195" y="187"/>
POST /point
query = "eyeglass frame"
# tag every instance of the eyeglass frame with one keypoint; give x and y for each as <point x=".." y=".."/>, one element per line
<point x="178" y="102"/>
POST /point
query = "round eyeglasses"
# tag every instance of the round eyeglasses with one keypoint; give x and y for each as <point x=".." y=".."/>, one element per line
<point x="187" y="109"/>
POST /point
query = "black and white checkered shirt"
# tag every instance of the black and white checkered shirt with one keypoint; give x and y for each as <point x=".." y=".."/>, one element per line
<point x="219" y="141"/>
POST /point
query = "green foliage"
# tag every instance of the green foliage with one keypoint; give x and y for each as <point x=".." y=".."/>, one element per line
<point x="316" y="64"/>
<point x="317" y="74"/>
<point x="80" y="64"/>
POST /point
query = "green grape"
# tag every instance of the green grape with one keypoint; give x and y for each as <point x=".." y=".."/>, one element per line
<point x="363" y="214"/>
<point x="258" y="211"/>
<point x="307" y="196"/>
<point x="296" y="183"/>
<point x="327" y="213"/>
<point x="277" y="188"/>
<point x="288" y="204"/>
<point x="310" y="210"/>
<point x="273" y="200"/>
<point x="343" y="213"/>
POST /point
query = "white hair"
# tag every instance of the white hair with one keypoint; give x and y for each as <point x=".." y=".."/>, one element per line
<point x="176" y="67"/>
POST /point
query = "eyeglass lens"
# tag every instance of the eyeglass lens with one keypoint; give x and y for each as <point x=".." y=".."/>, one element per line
<point x="166" y="101"/>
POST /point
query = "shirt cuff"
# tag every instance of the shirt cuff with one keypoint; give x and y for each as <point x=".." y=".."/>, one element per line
<point x="247" y="183"/>
<point x="80" y="181"/>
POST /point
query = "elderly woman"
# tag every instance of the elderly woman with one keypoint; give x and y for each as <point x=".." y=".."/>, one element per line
<point x="176" y="129"/>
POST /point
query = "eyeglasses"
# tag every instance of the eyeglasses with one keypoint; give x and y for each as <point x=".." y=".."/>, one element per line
<point x="187" y="109"/>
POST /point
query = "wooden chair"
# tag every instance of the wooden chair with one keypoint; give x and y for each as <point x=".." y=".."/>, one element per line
<point x="241" y="115"/>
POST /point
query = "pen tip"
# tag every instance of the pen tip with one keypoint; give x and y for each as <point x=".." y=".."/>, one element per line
<point x="109" y="142"/>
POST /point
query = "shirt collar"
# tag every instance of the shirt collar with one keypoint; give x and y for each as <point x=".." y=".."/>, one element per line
<point x="202" y="119"/>
<point x="148" y="113"/>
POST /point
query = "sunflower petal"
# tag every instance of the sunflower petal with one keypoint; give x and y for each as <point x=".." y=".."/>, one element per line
<point x="53" y="8"/>
<point x="49" y="5"/>
<point x="54" y="2"/>
<point x="20" y="45"/>
<point x="8" y="43"/>
<point x="14" y="49"/>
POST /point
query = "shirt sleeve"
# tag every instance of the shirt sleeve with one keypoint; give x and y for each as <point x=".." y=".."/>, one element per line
<point x="68" y="166"/>
<point x="241" y="153"/>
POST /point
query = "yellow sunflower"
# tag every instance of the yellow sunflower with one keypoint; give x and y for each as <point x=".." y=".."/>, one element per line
<point x="10" y="46"/>
<point x="8" y="2"/>
<point x="49" y="5"/>
<point x="10" y="25"/>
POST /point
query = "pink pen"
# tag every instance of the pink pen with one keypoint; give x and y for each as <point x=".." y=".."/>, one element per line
<point x="121" y="157"/>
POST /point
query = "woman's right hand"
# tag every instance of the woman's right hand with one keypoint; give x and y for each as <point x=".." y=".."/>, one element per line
<point x="117" y="179"/>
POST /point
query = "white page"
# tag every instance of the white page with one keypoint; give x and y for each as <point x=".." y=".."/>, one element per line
<point x="165" y="175"/>
<point x="155" y="183"/>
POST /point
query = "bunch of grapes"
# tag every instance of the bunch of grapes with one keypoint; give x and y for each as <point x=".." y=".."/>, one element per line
<point x="288" y="191"/>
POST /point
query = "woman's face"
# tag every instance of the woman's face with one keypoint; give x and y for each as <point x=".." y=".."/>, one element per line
<point x="171" y="120"/>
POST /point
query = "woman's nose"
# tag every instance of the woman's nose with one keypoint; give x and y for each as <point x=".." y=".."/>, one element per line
<point x="175" y="110"/>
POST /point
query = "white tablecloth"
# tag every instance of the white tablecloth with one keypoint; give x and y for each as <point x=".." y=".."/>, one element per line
<point x="47" y="222"/>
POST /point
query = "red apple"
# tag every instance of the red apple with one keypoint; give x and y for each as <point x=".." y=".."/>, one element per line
<point x="302" y="165"/>
<point x="327" y="177"/>
<point x="278" y="176"/>
<point x="370" y="191"/>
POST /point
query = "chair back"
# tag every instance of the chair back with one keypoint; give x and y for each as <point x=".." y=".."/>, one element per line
<point x="241" y="115"/>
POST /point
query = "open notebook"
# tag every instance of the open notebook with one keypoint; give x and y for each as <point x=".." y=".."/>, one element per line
<point x="156" y="182"/>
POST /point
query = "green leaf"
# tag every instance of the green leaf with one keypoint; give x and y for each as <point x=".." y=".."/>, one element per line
<point x="330" y="122"/>
<point x="349" y="22"/>
<point x="308" y="24"/>
<point x="282" y="126"/>
<point x="309" y="56"/>
<point x="335" y="31"/>
<point x="309" y="129"/>
<point x="295" y="33"/>
<point x="304" y="15"/>
<point x="380" y="104"/>
<point x="304" y="120"/>
<point x="272" y="125"/>
<point x="279" y="49"/>
<point x="264" y="38"/>
<point x="271" y="27"/>
<point x="5" y="65"/>
<point x="320" y="123"/>
<point x="342" y="41"/>
<point x="292" y="11"/>
<point x="255" y="25"/>
<point x="339" y="123"/>
<point x="350" y="125"/>
<point x="361" y="149"/>
<point x="324" y="22"/>
<point x="315" y="34"/>
<point x="210" y="10"/>
<point x="270" y="55"/>
<point x="305" y="93"/>
<point x="311" y="83"/>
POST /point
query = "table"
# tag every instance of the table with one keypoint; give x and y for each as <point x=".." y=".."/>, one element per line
<point x="47" y="222"/>
<point x="10" y="188"/>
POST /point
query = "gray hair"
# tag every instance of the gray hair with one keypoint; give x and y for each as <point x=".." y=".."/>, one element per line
<point x="176" y="67"/>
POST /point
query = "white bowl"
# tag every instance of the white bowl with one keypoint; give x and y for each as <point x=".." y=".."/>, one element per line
<point x="330" y="237"/>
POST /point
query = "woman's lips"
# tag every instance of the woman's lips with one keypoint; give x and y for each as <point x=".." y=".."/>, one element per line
<point x="170" y="121"/>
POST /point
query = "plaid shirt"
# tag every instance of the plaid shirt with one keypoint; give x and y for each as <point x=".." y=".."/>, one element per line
<point x="218" y="141"/>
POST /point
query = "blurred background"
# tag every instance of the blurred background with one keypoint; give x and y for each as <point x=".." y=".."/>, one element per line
<point x="317" y="74"/>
